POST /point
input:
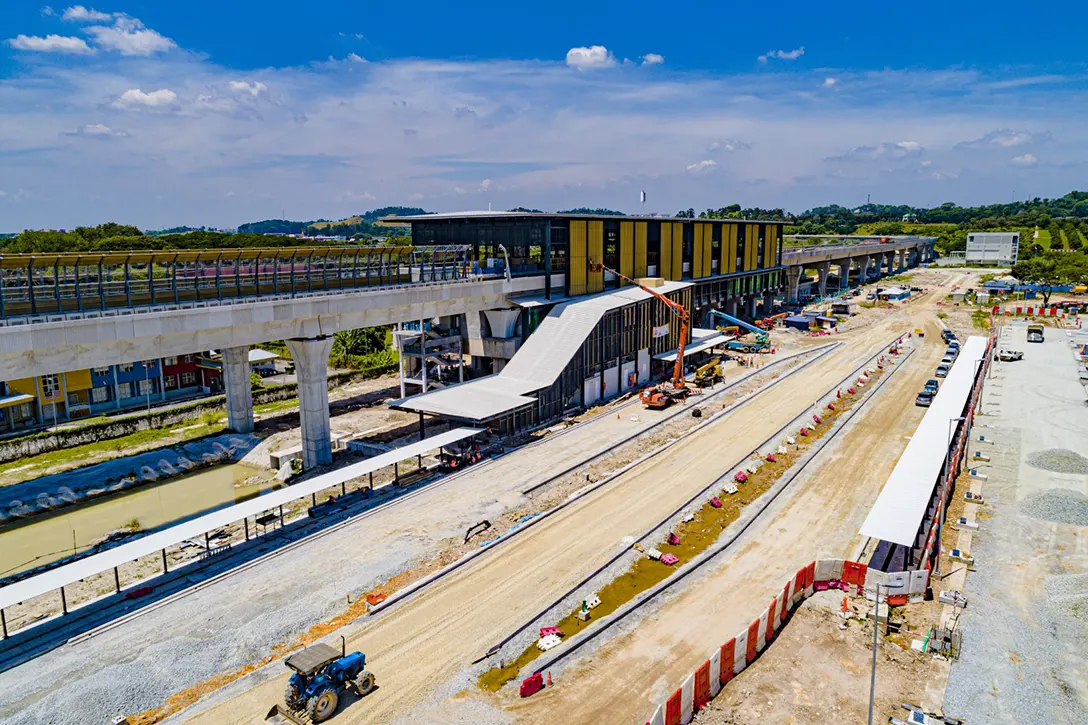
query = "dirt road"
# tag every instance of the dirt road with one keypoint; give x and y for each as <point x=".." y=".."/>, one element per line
<point x="420" y="645"/>
<point x="819" y="519"/>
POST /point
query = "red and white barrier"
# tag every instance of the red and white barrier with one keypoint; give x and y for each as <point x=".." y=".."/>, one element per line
<point x="730" y="659"/>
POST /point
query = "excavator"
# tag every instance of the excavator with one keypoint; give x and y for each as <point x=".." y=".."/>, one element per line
<point x="663" y="394"/>
<point x="760" y="341"/>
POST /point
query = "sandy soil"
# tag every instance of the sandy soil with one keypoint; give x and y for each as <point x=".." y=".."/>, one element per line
<point x="817" y="670"/>
<point x="429" y="639"/>
<point x="819" y="519"/>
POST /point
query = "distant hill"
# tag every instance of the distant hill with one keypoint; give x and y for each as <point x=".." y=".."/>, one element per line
<point x="595" y="212"/>
<point x="362" y="224"/>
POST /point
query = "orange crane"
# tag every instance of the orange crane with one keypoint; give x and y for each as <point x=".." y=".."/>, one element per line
<point x="662" y="395"/>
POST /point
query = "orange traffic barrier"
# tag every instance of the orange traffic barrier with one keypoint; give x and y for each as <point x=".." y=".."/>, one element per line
<point x="753" y="642"/>
<point x="854" y="573"/>
<point x="785" y="602"/>
<point x="729" y="653"/>
<point x="771" y="611"/>
<point x="672" y="709"/>
<point x="702" y="686"/>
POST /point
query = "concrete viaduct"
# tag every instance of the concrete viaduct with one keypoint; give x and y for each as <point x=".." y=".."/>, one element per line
<point x="56" y="320"/>
<point x="872" y="257"/>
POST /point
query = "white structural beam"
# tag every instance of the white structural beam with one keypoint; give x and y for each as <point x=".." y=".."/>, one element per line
<point x="120" y="336"/>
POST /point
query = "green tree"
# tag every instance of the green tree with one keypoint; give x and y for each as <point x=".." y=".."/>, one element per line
<point x="348" y="346"/>
<point x="1052" y="269"/>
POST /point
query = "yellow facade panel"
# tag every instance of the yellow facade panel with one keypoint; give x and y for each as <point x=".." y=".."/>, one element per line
<point x="697" y="252"/>
<point x="708" y="250"/>
<point x="27" y="386"/>
<point x="627" y="249"/>
<point x="729" y="248"/>
<point x="577" y="265"/>
<point x="677" y="251"/>
<point x="78" y="380"/>
<point x="595" y="279"/>
<point x="664" y="262"/>
<point x="751" y="247"/>
<point x="772" y="246"/>
<point x="640" y="249"/>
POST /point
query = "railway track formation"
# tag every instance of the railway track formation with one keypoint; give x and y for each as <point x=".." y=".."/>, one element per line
<point x="424" y="645"/>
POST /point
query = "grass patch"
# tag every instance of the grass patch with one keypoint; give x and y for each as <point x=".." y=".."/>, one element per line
<point x="696" y="536"/>
<point x="1043" y="240"/>
<point x="899" y="278"/>
<point x="89" y="453"/>
<point x="981" y="319"/>
<point x="276" y="406"/>
<point x="942" y="315"/>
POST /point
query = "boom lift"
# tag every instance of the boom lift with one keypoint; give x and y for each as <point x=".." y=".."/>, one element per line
<point x="665" y="394"/>
<point x="758" y="343"/>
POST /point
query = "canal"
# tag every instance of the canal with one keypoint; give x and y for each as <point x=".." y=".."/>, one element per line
<point x="51" y="536"/>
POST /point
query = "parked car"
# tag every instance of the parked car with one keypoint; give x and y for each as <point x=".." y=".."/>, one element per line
<point x="1009" y="355"/>
<point x="870" y="296"/>
<point x="953" y="343"/>
<point x="947" y="360"/>
<point x="915" y="289"/>
<point x="942" y="370"/>
<point x="932" y="386"/>
<point x="924" y="399"/>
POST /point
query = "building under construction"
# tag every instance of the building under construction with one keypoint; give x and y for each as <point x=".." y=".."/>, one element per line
<point x="590" y="336"/>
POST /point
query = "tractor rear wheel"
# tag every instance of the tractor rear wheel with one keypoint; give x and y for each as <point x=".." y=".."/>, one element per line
<point x="322" y="704"/>
<point x="365" y="683"/>
<point x="292" y="697"/>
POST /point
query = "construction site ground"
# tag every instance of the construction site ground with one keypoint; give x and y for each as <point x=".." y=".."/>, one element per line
<point x="298" y="589"/>
<point x="1025" y="628"/>
<point x="426" y="644"/>
<point x="817" y="671"/>
<point x="422" y="649"/>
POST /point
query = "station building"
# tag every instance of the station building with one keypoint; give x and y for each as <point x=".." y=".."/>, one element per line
<point x="589" y="336"/>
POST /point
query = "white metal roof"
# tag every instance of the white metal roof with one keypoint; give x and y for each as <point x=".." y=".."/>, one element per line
<point x="697" y="346"/>
<point x="537" y="363"/>
<point x="897" y="514"/>
<point x="257" y="355"/>
<point x="152" y="543"/>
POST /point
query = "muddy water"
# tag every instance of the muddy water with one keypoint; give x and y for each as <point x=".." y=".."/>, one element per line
<point x="76" y="528"/>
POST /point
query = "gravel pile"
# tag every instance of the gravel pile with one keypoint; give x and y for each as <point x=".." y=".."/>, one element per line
<point x="1060" y="505"/>
<point x="1059" y="460"/>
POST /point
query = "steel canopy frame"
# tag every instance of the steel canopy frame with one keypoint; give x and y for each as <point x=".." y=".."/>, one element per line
<point x="62" y="576"/>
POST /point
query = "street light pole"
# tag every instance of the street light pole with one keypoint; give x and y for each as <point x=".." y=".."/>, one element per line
<point x="876" y="632"/>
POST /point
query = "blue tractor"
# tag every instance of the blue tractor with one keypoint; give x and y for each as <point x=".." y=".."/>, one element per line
<point x="320" y="674"/>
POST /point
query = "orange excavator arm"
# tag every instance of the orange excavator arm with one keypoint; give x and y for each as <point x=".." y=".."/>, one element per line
<point x="678" y="309"/>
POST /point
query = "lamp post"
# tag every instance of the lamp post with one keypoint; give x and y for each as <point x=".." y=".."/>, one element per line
<point x="876" y="634"/>
<point x="944" y="485"/>
<point x="147" y="380"/>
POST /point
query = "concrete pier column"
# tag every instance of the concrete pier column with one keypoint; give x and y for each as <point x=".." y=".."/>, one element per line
<point x="793" y="283"/>
<point x="824" y="269"/>
<point x="237" y="386"/>
<point x="750" y="306"/>
<point x="768" y="303"/>
<point x="731" y="307"/>
<point x="844" y="273"/>
<point x="311" y="358"/>
<point x="863" y="271"/>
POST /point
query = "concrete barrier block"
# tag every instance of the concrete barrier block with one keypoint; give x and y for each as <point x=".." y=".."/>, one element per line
<point x="828" y="570"/>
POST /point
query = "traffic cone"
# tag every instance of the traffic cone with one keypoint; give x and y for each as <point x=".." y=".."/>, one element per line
<point x="550" y="672"/>
<point x="844" y="608"/>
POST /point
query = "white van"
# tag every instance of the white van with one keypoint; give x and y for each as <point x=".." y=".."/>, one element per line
<point x="947" y="360"/>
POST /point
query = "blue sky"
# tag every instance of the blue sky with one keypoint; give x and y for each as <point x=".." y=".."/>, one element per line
<point x="198" y="113"/>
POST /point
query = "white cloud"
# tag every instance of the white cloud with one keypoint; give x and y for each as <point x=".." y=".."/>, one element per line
<point x="653" y="59"/>
<point x="135" y="98"/>
<point x="729" y="145"/>
<point x="882" y="151"/>
<point x="50" y="44"/>
<point x="1005" y="138"/>
<point x="355" y="196"/>
<point x="356" y="58"/>
<point x="782" y="54"/>
<point x="595" y="56"/>
<point x="48" y="11"/>
<point x="252" y="89"/>
<point x="830" y="82"/>
<point x="1025" y="160"/>
<point x="97" y="130"/>
<point x="128" y="36"/>
<point x="80" y="14"/>
<point x="485" y="184"/>
<point x="704" y="165"/>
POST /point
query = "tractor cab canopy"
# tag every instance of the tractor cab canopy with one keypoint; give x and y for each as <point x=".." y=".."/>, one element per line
<point x="313" y="658"/>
